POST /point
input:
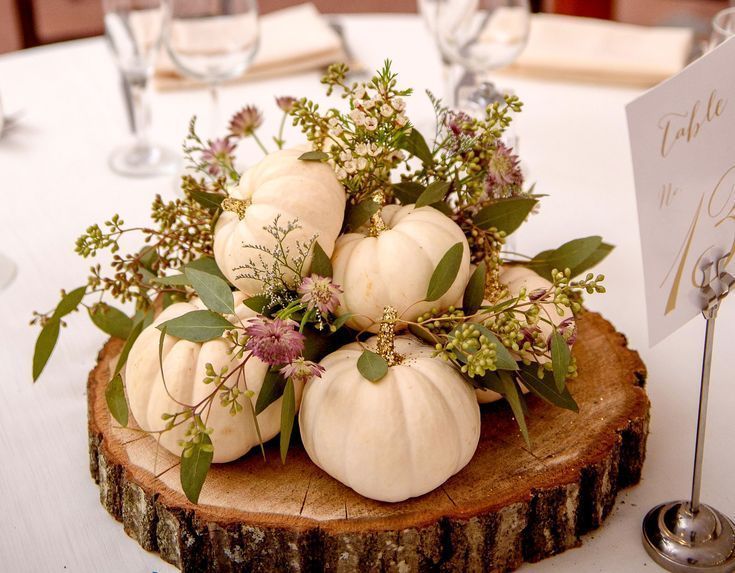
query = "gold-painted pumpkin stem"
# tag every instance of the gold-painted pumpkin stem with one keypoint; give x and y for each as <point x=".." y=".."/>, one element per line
<point x="387" y="337"/>
<point x="237" y="206"/>
<point x="377" y="225"/>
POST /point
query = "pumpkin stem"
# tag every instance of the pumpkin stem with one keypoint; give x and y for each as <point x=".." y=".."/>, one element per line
<point x="377" y="225"/>
<point x="387" y="337"/>
<point x="237" y="206"/>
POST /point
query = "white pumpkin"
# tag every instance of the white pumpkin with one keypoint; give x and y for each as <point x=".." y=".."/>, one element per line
<point x="281" y="184"/>
<point x="397" y="438"/>
<point x="394" y="267"/>
<point x="184" y="368"/>
<point x="517" y="278"/>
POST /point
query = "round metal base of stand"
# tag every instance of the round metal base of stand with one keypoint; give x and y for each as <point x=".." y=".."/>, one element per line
<point x="682" y="541"/>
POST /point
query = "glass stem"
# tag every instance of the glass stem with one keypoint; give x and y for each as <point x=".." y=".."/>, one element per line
<point x="450" y="94"/>
<point x="141" y="101"/>
<point x="214" y="97"/>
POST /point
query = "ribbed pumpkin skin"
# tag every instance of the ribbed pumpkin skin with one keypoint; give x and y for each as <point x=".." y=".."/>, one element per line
<point x="394" y="268"/>
<point x="516" y="278"/>
<point x="394" y="439"/>
<point x="184" y="368"/>
<point x="307" y="191"/>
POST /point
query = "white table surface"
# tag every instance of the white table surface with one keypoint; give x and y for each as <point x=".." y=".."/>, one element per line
<point x="54" y="181"/>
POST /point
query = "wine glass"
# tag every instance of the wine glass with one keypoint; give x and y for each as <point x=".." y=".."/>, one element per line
<point x="723" y="27"/>
<point x="211" y="41"/>
<point x="133" y="31"/>
<point x="479" y="36"/>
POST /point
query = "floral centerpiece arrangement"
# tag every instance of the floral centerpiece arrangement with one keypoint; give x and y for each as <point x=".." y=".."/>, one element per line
<point x="359" y="280"/>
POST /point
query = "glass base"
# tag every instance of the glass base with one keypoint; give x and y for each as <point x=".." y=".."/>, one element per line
<point x="143" y="161"/>
<point x="7" y="271"/>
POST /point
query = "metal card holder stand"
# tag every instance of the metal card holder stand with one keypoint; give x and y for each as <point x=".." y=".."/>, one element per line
<point x="688" y="536"/>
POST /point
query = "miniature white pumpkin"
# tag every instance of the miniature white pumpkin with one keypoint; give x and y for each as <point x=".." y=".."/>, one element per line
<point x="393" y="268"/>
<point x="396" y="438"/>
<point x="281" y="184"/>
<point x="184" y="368"/>
<point x="516" y="278"/>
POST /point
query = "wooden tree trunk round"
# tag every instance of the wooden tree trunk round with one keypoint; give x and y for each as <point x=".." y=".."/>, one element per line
<point x="508" y="505"/>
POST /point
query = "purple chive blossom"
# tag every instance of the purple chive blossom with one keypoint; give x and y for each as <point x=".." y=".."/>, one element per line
<point x="286" y="103"/>
<point x="458" y="122"/>
<point x="538" y="294"/>
<point x="217" y="154"/>
<point x="320" y="293"/>
<point x="245" y="122"/>
<point x="274" y="341"/>
<point x="568" y="329"/>
<point x="503" y="170"/>
<point x="302" y="370"/>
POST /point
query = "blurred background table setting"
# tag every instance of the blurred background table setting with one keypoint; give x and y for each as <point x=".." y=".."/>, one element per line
<point x="79" y="78"/>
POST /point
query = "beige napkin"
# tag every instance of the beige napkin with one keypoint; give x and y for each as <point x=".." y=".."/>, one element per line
<point x="585" y="49"/>
<point x="292" y="40"/>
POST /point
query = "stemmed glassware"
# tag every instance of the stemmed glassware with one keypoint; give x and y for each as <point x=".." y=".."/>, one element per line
<point x="479" y="36"/>
<point x="7" y="267"/>
<point x="133" y="30"/>
<point x="211" y="41"/>
<point x="723" y="27"/>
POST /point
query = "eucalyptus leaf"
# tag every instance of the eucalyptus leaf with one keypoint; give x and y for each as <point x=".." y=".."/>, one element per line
<point x="505" y="214"/>
<point x="115" y="398"/>
<point x="340" y="321"/>
<point x="445" y="272"/>
<point x="570" y="255"/>
<point x="560" y="359"/>
<point x="210" y="201"/>
<point x="134" y="333"/>
<point x="288" y="413"/>
<point x="372" y="366"/>
<point x="270" y="391"/>
<point x="45" y="346"/>
<point x="197" y="326"/>
<point x="70" y="302"/>
<point x="111" y="320"/>
<point x="514" y="396"/>
<point x="491" y="381"/>
<point x="546" y="390"/>
<point x="475" y="291"/>
<point x="359" y="214"/>
<point x="214" y="291"/>
<point x="320" y="263"/>
<point x="258" y="303"/>
<point x="602" y="251"/>
<point x="148" y="256"/>
<point x="415" y="144"/>
<point x="422" y="333"/>
<point x="194" y="468"/>
<point x="173" y="280"/>
<point x="434" y="193"/>
<point x="314" y="156"/>
<point x="407" y="192"/>
<point x="207" y="265"/>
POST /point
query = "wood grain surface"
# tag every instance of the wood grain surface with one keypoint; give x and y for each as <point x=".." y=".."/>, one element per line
<point x="508" y="505"/>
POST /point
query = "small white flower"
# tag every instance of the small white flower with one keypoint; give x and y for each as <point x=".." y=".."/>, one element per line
<point x="369" y="104"/>
<point x="358" y="116"/>
<point x="333" y="122"/>
<point x="401" y="120"/>
<point x="350" y="166"/>
<point x="341" y="174"/>
<point x="345" y="155"/>
<point x="361" y="149"/>
<point x="371" y="123"/>
<point x="335" y="131"/>
<point x="360" y="92"/>
<point x="375" y="150"/>
<point x="361" y="163"/>
<point x="399" y="104"/>
<point x="386" y="110"/>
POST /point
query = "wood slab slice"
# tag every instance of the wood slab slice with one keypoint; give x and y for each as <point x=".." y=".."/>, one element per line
<point x="508" y="505"/>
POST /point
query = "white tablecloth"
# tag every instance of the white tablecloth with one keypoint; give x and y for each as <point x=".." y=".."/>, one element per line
<point x="54" y="181"/>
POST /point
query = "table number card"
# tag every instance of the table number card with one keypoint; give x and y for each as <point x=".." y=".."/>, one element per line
<point x="682" y="137"/>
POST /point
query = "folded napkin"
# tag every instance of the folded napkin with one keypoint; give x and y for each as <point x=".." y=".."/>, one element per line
<point x="292" y="40"/>
<point x="585" y="49"/>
